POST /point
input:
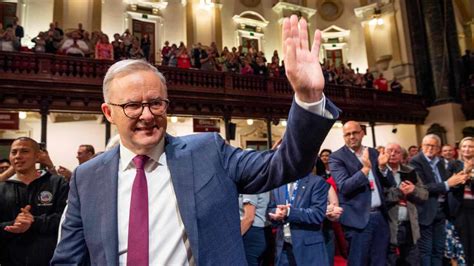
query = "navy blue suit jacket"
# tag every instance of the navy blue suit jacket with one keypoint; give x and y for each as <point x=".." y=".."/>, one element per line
<point x="428" y="209"/>
<point x="207" y="177"/>
<point x="353" y="186"/>
<point x="306" y="218"/>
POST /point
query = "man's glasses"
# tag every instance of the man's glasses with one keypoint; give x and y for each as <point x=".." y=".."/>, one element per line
<point x="134" y="110"/>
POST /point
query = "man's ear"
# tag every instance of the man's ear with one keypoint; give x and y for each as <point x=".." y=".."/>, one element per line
<point x="107" y="112"/>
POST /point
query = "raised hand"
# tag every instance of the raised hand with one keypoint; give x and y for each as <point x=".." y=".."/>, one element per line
<point x="383" y="159"/>
<point x="302" y="65"/>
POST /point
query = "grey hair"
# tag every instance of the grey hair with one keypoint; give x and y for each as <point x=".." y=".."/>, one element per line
<point x="432" y="136"/>
<point x="126" y="67"/>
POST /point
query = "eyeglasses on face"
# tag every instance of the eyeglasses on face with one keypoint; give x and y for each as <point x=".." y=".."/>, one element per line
<point x="135" y="109"/>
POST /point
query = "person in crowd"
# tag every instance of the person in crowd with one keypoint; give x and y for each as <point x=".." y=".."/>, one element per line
<point x="183" y="59"/>
<point x="58" y="29"/>
<point x="116" y="44"/>
<point x="403" y="190"/>
<point x="447" y="154"/>
<point x="127" y="40"/>
<point x="359" y="182"/>
<point x="18" y="33"/>
<point x="40" y="42"/>
<point x="396" y="86"/>
<point x="200" y="175"/>
<point x="207" y="59"/>
<point x="324" y="157"/>
<point x="85" y="152"/>
<point x="332" y="231"/>
<point x="274" y="68"/>
<point x="247" y="68"/>
<point x="381" y="83"/>
<point x="259" y="67"/>
<point x="136" y="52"/>
<point x="412" y="152"/>
<point x="463" y="200"/>
<point x="8" y="43"/>
<point x="433" y="212"/>
<point x="253" y="211"/>
<point x="298" y="209"/>
<point x="6" y="169"/>
<point x="145" y="44"/>
<point x="368" y="80"/>
<point x="165" y="53"/>
<point x="232" y="63"/>
<point x="81" y="31"/>
<point x="172" y="55"/>
<point x="52" y="39"/>
<point x="31" y="204"/>
<point x="103" y="49"/>
<point x="75" y="46"/>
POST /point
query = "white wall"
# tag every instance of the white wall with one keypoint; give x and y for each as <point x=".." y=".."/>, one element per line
<point x="113" y="17"/>
<point x="78" y="11"/>
<point x="64" y="138"/>
<point x="36" y="17"/>
<point x="174" y="24"/>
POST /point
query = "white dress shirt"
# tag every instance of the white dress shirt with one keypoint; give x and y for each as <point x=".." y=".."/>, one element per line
<point x="168" y="243"/>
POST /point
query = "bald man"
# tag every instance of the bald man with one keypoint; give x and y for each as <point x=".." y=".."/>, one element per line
<point x="356" y="171"/>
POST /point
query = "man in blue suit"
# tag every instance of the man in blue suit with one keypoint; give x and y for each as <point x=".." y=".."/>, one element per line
<point x="162" y="200"/>
<point x="433" y="212"/>
<point x="356" y="171"/>
<point x="299" y="209"/>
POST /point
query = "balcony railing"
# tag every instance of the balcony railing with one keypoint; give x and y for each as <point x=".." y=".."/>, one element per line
<point x="30" y="81"/>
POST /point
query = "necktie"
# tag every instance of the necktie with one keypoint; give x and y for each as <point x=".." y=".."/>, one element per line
<point x="137" y="253"/>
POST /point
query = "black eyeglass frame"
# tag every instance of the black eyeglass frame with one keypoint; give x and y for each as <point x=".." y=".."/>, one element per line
<point x="124" y="105"/>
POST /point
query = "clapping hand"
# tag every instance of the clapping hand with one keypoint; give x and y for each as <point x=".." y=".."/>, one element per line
<point x="22" y="222"/>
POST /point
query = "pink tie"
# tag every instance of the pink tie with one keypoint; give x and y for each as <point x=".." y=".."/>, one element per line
<point x="137" y="253"/>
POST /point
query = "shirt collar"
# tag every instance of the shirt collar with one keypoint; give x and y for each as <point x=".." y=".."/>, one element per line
<point x="155" y="154"/>
<point x="433" y="161"/>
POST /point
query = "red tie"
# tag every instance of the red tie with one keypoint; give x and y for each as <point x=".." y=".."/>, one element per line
<point x="137" y="253"/>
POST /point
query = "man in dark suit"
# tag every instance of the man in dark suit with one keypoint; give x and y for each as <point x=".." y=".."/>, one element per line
<point x="432" y="213"/>
<point x="299" y="209"/>
<point x="178" y="196"/>
<point x="355" y="169"/>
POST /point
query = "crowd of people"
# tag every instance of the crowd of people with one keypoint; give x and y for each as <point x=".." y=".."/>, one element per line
<point x="249" y="60"/>
<point x="78" y="42"/>
<point x="401" y="206"/>
<point x="156" y="199"/>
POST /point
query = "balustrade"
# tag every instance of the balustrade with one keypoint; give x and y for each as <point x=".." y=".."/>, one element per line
<point x="80" y="78"/>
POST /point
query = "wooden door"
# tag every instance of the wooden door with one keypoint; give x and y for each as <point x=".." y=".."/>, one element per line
<point x="334" y="57"/>
<point x="7" y="13"/>
<point x="141" y="28"/>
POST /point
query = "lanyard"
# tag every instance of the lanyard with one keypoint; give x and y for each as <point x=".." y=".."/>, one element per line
<point x="293" y="196"/>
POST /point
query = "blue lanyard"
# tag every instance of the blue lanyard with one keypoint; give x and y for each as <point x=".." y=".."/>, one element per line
<point x="293" y="196"/>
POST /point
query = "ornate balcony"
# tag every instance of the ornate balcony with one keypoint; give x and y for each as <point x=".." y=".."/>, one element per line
<point x="44" y="82"/>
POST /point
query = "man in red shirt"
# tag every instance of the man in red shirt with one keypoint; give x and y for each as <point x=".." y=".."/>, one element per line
<point x="381" y="83"/>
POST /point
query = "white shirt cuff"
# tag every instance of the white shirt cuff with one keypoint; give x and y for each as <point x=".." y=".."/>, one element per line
<point x="318" y="107"/>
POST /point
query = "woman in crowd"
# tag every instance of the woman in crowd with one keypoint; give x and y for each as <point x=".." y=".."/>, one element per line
<point x="464" y="198"/>
<point x="184" y="61"/>
<point x="136" y="52"/>
<point x="103" y="49"/>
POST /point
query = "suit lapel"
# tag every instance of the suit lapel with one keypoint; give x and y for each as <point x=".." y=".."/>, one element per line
<point x="302" y="185"/>
<point x="351" y="157"/>
<point x="107" y="173"/>
<point x="180" y="164"/>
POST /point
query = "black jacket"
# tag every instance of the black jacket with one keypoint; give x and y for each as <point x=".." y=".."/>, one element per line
<point x="47" y="196"/>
